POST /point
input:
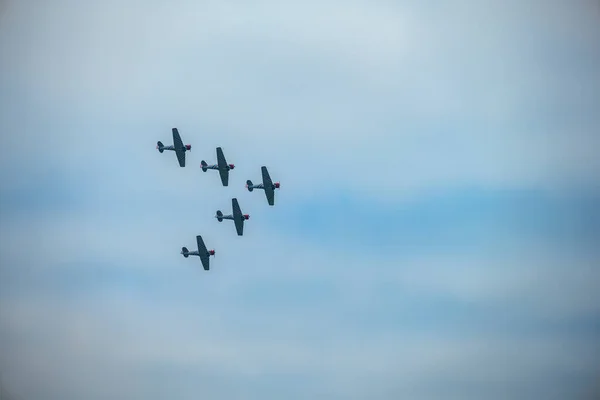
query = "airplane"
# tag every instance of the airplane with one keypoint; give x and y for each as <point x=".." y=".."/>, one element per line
<point x="237" y="217"/>
<point x="221" y="166"/>
<point x="178" y="147"/>
<point x="267" y="185"/>
<point x="202" y="252"/>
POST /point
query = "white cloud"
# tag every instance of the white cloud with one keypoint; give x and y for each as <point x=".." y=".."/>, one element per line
<point x="97" y="341"/>
<point x="390" y="97"/>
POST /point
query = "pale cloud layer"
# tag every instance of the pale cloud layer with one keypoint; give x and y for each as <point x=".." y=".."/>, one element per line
<point x="435" y="232"/>
<point x="503" y="94"/>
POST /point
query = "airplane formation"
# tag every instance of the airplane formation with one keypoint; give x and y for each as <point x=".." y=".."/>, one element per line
<point x="223" y="167"/>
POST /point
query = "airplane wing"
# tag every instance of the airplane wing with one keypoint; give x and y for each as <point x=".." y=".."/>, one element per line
<point x="239" y="226"/>
<point x="179" y="149"/>
<point x="221" y="158"/>
<point x="237" y="217"/>
<point x="268" y="186"/>
<point x="223" y="170"/>
<point x="270" y="193"/>
<point x="266" y="178"/>
<point x="204" y="257"/>
<point x="205" y="262"/>
<point x="224" y="176"/>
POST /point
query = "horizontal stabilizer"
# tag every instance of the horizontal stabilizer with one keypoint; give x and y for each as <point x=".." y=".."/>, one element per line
<point x="219" y="216"/>
<point x="185" y="252"/>
<point x="249" y="185"/>
<point x="203" y="165"/>
<point x="160" y="146"/>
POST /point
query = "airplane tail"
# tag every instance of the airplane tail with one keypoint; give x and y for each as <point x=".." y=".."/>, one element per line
<point x="219" y="216"/>
<point x="203" y="165"/>
<point x="185" y="252"/>
<point x="160" y="146"/>
<point x="249" y="185"/>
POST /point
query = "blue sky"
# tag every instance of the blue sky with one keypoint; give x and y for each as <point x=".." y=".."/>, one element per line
<point x="435" y="235"/>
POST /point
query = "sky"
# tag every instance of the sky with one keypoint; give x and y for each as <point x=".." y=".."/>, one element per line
<point x="436" y="232"/>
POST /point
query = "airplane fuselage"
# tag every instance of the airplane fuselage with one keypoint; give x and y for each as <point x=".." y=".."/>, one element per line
<point x="187" y="147"/>
<point x="242" y="217"/>
<point x="173" y="148"/>
<point x="215" y="166"/>
<point x="262" y="186"/>
<point x="193" y="253"/>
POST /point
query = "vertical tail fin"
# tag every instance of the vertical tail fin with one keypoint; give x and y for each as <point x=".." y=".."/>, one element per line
<point x="249" y="185"/>
<point x="203" y="165"/>
<point x="160" y="146"/>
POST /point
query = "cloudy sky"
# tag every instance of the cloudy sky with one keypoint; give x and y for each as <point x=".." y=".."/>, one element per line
<point x="435" y="235"/>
